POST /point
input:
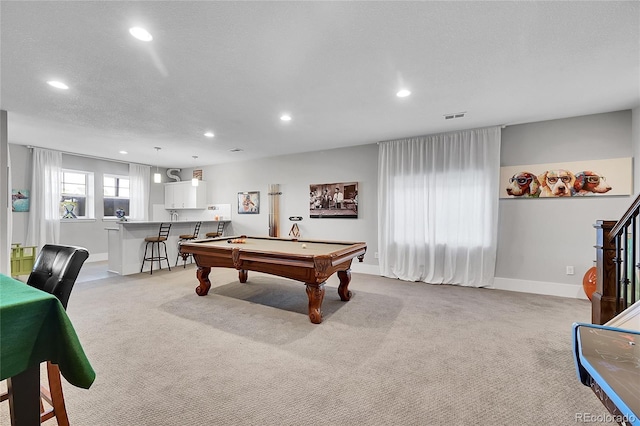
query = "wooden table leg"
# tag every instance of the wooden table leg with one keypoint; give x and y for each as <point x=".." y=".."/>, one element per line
<point x="203" y="276"/>
<point x="315" y="293"/>
<point x="24" y="397"/>
<point x="343" y="288"/>
<point x="243" y="275"/>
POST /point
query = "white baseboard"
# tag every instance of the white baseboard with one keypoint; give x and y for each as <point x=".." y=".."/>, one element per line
<point x="364" y="268"/>
<point x="510" y="284"/>
<point x="539" y="287"/>
<point x="97" y="257"/>
<point x="573" y="291"/>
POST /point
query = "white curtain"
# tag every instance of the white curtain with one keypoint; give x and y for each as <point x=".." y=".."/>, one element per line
<point x="44" y="210"/>
<point x="139" y="183"/>
<point x="438" y="207"/>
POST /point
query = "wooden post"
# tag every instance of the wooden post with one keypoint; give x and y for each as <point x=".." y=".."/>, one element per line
<point x="603" y="301"/>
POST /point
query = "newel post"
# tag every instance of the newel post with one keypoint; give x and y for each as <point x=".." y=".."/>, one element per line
<point x="603" y="301"/>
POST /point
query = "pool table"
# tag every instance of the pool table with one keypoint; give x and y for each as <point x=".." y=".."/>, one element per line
<point x="309" y="261"/>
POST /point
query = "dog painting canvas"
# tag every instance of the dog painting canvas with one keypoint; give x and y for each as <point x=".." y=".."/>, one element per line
<point x="570" y="179"/>
<point x="557" y="183"/>
<point x="524" y="184"/>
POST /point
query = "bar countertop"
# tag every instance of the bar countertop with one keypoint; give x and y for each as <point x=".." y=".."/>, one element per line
<point x="152" y="222"/>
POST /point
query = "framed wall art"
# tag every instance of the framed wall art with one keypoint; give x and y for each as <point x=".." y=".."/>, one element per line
<point x="593" y="178"/>
<point x="249" y="202"/>
<point x="19" y="200"/>
<point x="333" y="200"/>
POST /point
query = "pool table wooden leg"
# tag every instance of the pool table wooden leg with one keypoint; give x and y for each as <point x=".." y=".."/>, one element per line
<point x="243" y="275"/>
<point x="203" y="276"/>
<point x="315" y="292"/>
<point x="343" y="288"/>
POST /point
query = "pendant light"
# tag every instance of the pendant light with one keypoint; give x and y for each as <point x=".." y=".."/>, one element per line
<point x="157" y="177"/>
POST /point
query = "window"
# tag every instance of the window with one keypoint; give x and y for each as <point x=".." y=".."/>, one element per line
<point x="116" y="194"/>
<point x="77" y="195"/>
<point x="442" y="205"/>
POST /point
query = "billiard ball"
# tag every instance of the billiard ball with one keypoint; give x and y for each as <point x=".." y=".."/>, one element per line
<point x="304" y="246"/>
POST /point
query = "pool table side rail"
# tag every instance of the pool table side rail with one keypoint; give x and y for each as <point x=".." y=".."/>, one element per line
<point x="307" y="268"/>
<point x="195" y="246"/>
<point x="226" y="238"/>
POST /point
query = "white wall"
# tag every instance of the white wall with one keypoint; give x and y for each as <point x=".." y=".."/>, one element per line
<point x="538" y="238"/>
<point x="86" y="233"/>
<point x="20" y="179"/>
<point x="5" y="194"/>
<point x="294" y="174"/>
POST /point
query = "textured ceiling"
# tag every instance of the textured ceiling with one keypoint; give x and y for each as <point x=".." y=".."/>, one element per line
<point x="234" y="67"/>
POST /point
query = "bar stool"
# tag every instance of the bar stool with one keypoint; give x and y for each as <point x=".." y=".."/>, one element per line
<point x="163" y="234"/>
<point x="217" y="233"/>
<point x="187" y="237"/>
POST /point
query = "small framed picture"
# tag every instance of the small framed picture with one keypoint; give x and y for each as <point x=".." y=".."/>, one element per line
<point x="249" y="202"/>
<point x="20" y="200"/>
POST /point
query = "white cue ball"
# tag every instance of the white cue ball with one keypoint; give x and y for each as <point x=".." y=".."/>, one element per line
<point x="304" y="246"/>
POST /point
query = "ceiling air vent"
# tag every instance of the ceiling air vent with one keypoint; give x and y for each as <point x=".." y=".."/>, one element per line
<point x="235" y="150"/>
<point x="454" y="115"/>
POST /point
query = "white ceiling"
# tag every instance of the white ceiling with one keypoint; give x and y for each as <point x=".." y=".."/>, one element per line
<point x="235" y="67"/>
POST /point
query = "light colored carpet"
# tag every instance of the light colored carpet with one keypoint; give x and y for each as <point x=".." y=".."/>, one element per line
<point x="398" y="353"/>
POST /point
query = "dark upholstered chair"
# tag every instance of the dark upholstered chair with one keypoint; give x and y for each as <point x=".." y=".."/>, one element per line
<point x="55" y="271"/>
<point x="187" y="237"/>
<point x="218" y="232"/>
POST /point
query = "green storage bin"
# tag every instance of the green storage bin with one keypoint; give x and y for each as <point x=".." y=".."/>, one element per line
<point x="22" y="259"/>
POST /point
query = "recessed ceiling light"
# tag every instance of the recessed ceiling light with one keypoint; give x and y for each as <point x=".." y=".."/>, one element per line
<point x="123" y="152"/>
<point x="57" y="84"/>
<point x="403" y="93"/>
<point x="209" y="134"/>
<point x="140" y="34"/>
<point x="285" y="117"/>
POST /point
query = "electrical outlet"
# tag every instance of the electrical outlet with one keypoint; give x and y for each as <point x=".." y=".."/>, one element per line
<point x="569" y="270"/>
<point x="375" y="255"/>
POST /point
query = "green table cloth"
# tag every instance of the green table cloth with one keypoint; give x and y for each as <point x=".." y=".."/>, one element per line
<point x="34" y="327"/>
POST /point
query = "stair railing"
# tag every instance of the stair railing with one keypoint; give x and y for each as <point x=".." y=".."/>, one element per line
<point x="617" y="264"/>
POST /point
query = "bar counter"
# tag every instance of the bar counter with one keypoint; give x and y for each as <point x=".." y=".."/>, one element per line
<point x="126" y="242"/>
